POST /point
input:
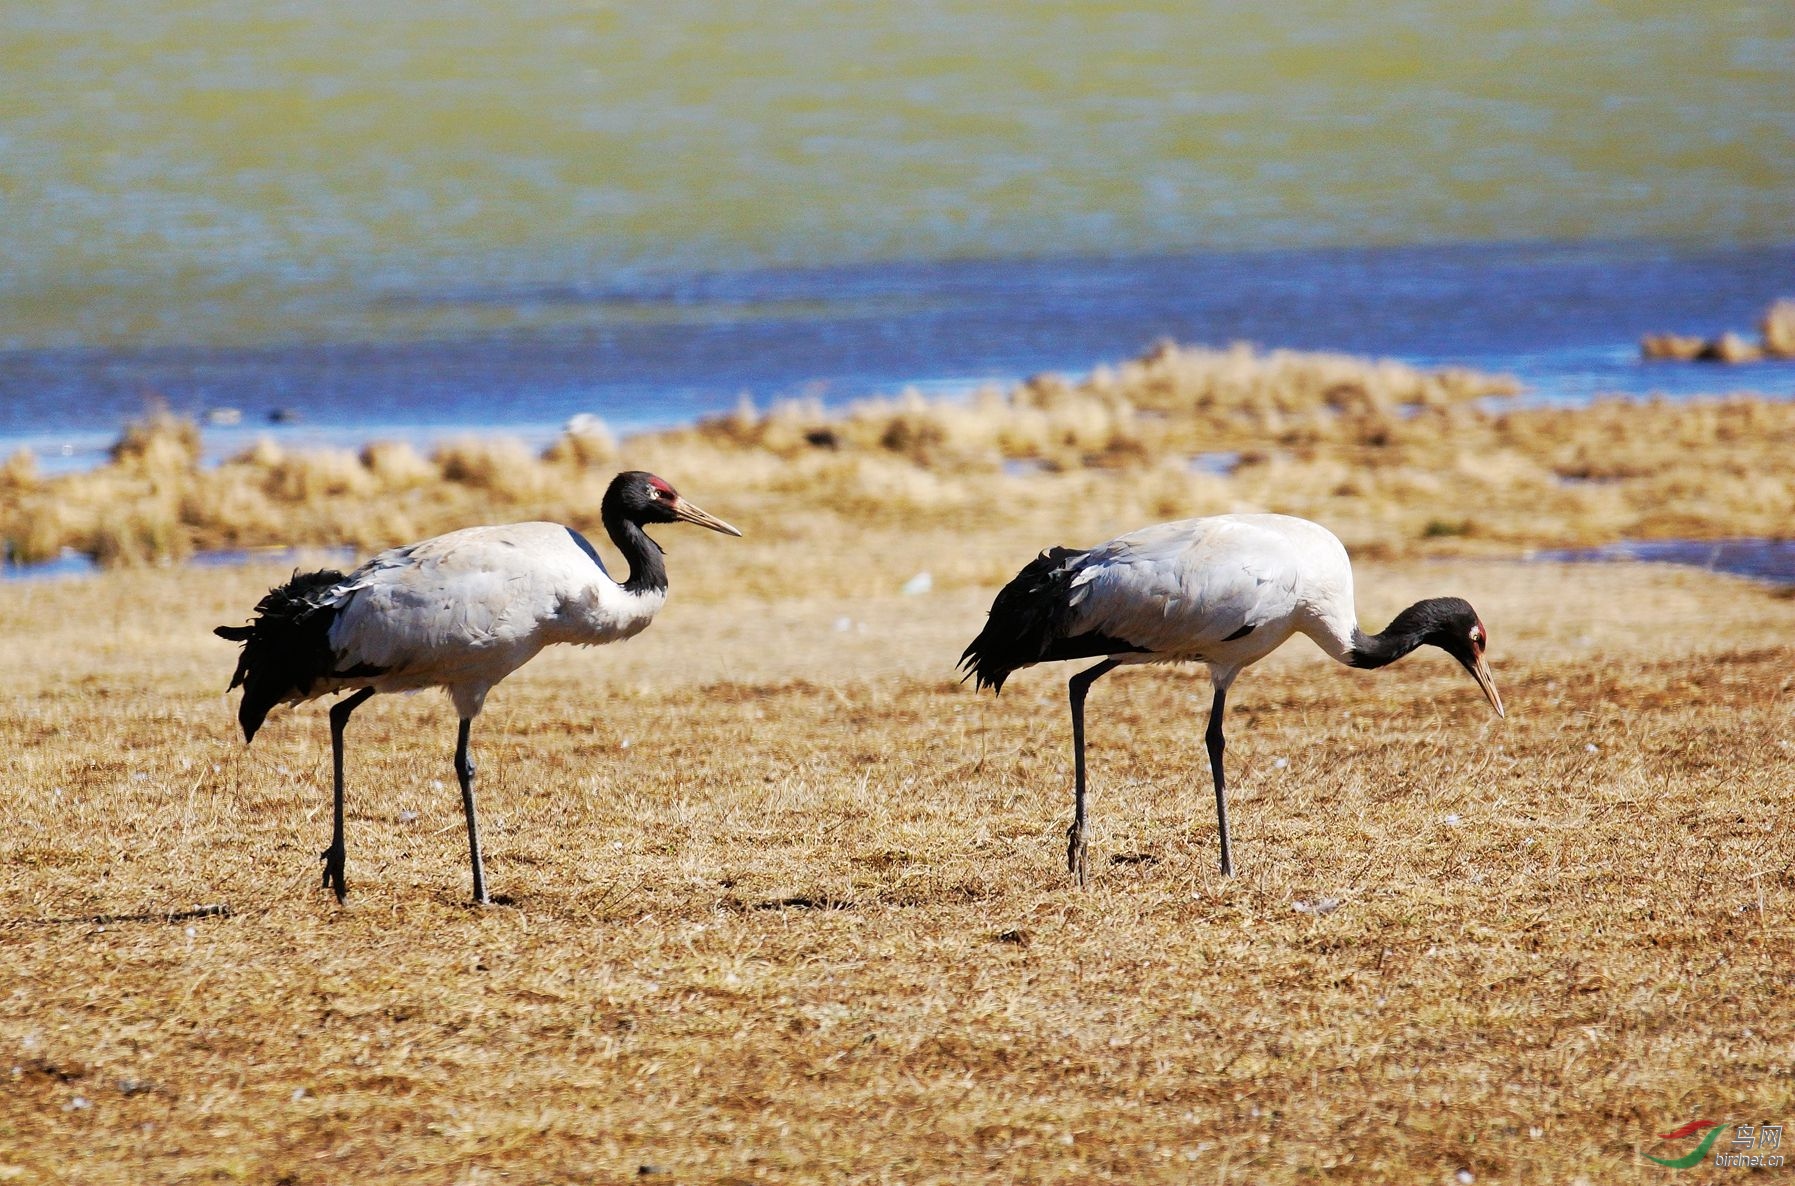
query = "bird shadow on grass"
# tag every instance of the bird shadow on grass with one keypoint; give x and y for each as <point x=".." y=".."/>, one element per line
<point x="620" y="902"/>
<point x="220" y="910"/>
<point x="508" y="901"/>
<point x="803" y="902"/>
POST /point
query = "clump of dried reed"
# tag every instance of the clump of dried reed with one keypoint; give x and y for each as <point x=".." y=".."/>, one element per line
<point x="397" y="466"/>
<point x="1777" y="326"/>
<point x="588" y="442"/>
<point x="160" y="441"/>
<point x="1172" y="400"/>
<point x="19" y="472"/>
<point x="154" y="500"/>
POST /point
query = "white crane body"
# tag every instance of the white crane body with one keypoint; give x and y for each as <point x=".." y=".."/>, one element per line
<point x="464" y="610"/>
<point x="1225" y="591"/>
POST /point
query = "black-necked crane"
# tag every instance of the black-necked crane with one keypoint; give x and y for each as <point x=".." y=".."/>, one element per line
<point x="1225" y="591"/>
<point x="460" y="612"/>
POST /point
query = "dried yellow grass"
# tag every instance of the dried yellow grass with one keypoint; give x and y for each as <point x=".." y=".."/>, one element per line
<point x="787" y="902"/>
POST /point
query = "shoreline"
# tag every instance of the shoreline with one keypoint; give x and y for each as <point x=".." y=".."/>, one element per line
<point x="1565" y="319"/>
<point x="1399" y="460"/>
<point x="62" y="452"/>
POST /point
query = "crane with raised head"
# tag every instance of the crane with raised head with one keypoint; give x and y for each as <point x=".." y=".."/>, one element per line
<point x="460" y="612"/>
<point x="1225" y="591"/>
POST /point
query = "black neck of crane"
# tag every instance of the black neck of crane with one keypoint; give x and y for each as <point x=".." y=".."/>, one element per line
<point x="1423" y="622"/>
<point x="647" y="569"/>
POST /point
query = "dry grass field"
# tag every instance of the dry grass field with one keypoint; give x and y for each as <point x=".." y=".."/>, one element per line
<point x="785" y="902"/>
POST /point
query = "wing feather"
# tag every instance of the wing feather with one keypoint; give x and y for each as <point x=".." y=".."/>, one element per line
<point x="447" y="603"/>
<point x="1180" y="589"/>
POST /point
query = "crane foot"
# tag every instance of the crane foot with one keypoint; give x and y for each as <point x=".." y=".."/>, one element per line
<point x="333" y="872"/>
<point x="1075" y="853"/>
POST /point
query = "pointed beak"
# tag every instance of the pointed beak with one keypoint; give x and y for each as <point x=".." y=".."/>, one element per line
<point x="688" y="513"/>
<point x="1480" y="671"/>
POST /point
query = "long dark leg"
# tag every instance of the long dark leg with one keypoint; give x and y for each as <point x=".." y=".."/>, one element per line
<point x="1213" y="737"/>
<point x="1076" y="687"/>
<point x="333" y="856"/>
<point x="464" y="770"/>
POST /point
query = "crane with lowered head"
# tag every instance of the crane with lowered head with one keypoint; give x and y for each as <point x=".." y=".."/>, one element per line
<point x="1225" y="591"/>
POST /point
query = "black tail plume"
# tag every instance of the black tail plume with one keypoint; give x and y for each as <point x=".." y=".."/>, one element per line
<point x="1030" y="615"/>
<point x="286" y="648"/>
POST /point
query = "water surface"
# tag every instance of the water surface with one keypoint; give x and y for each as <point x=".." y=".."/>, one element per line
<point x="1564" y="319"/>
<point x="1770" y="560"/>
<point x="231" y="171"/>
<point x="474" y="214"/>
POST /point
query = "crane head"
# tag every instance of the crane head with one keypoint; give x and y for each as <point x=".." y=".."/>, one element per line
<point x="1461" y="633"/>
<point x="644" y="498"/>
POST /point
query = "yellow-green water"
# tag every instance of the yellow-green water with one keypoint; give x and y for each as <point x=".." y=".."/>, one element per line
<point x="226" y="171"/>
